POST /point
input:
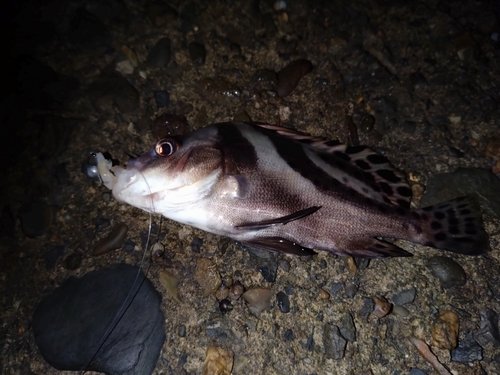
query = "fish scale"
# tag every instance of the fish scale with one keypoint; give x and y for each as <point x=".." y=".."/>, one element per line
<point x="281" y="190"/>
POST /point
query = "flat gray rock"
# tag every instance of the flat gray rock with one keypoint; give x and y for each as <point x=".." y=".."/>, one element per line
<point x="70" y="324"/>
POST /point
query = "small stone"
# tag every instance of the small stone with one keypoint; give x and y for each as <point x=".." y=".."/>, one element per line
<point x="450" y="273"/>
<point x="269" y="271"/>
<point x="218" y="361"/>
<point x="366" y="123"/>
<point x="333" y="342"/>
<point x="129" y="245"/>
<point x="324" y="295"/>
<point x="264" y="79"/>
<point x="352" y="268"/>
<point x="400" y="310"/>
<point x="159" y="56"/>
<point x="170" y="282"/>
<point x="445" y="330"/>
<point x="405" y="296"/>
<point x="417" y="371"/>
<point x="320" y="82"/>
<point x="347" y="328"/>
<point x="130" y="55"/>
<point x="258" y="299"/>
<point x="169" y="124"/>
<point x="225" y="306"/>
<point x="222" y="293"/>
<point x="73" y="261"/>
<point x="290" y="75"/>
<point x="288" y="335"/>
<point x="52" y="256"/>
<point x="181" y="330"/>
<point x="207" y="276"/>
<point x="236" y="291"/>
<point x="197" y="53"/>
<point x="283" y="302"/>
<point x="114" y="240"/>
<point x="106" y="197"/>
<point x="351" y="289"/>
<point x="382" y="307"/>
<point x="162" y="98"/>
<point x="467" y="351"/>
<point x="488" y="332"/>
<point x="467" y="48"/>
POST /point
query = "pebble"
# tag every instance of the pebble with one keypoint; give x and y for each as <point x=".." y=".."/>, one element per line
<point x="222" y="293"/>
<point x="129" y="245"/>
<point x="320" y="82"/>
<point x="445" y="330"/>
<point x="207" y="276"/>
<point x="73" y="261"/>
<point x="288" y="335"/>
<point x="290" y="75"/>
<point x="488" y="332"/>
<point x="258" y="299"/>
<point x="217" y="88"/>
<point x="417" y="371"/>
<point x="66" y="341"/>
<point x="283" y="302"/>
<point x="366" y="123"/>
<point x="450" y="273"/>
<point x="468" y="350"/>
<point x="428" y="355"/>
<point x="382" y="307"/>
<point x="466" y="47"/>
<point x="333" y="342"/>
<point x="218" y="361"/>
<point x="324" y="295"/>
<point x="404" y="297"/>
<point x="347" y="328"/>
<point x="35" y="219"/>
<point x="130" y="55"/>
<point x="269" y="271"/>
<point x="225" y="306"/>
<point x="106" y="197"/>
<point x="52" y="256"/>
<point x="236" y="291"/>
<point x="400" y="310"/>
<point x="240" y="364"/>
<point x="351" y="289"/>
<point x="160" y="54"/>
<point x="162" y="98"/>
<point x="181" y="330"/>
<point x="170" y="282"/>
<point x="197" y="53"/>
<point x="264" y="79"/>
<point x="114" y="240"/>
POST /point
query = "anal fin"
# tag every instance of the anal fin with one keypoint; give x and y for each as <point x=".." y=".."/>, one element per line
<point x="280" y="220"/>
<point x="279" y="245"/>
<point x="374" y="248"/>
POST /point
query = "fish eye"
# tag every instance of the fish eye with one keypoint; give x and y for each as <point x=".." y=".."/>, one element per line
<point x="166" y="147"/>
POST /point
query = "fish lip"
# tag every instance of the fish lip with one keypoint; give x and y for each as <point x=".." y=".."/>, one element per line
<point x="141" y="161"/>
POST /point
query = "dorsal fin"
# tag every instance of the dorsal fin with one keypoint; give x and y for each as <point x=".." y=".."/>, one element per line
<point x="375" y="177"/>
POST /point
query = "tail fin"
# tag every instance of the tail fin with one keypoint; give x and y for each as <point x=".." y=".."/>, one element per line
<point x="455" y="225"/>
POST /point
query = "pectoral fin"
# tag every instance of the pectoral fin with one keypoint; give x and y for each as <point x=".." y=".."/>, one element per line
<point x="279" y="245"/>
<point x="374" y="248"/>
<point x="280" y="220"/>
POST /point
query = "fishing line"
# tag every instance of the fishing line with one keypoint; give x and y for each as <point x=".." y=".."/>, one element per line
<point x="120" y="313"/>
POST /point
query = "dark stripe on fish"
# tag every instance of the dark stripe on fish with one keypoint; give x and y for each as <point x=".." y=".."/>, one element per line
<point x="237" y="148"/>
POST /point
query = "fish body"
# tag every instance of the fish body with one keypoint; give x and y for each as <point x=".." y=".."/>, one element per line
<point x="282" y="190"/>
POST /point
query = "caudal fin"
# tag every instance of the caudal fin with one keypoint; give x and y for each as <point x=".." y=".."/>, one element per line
<point x="456" y="226"/>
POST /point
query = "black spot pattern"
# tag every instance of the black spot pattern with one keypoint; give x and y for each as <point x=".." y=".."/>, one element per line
<point x="376" y="159"/>
<point x="389" y="175"/>
<point x="404" y="191"/>
<point x="363" y="164"/>
<point x="236" y="147"/>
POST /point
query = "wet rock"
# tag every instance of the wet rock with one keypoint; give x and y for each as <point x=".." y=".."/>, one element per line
<point x="87" y="31"/>
<point x="450" y="273"/>
<point x="347" y="328"/>
<point x="417" y="371"/>
<point x="131" y="56"/>
<point x="324" y="295"/>
<point x="309" y="343"/>
<point x="159" y="56"/>
<point x="468" y="350"/>
<point x="269" y="271"/>
<point x="400" y="310"/>
<point x="217" y="89"/>
<point x="290" y="75"/>
<point x="114" y="240"/>
<point x="283" y="302"/>
<point x="465" y="181"/>
<point x="197" y="53"/>
<point x="73" y="261"/>
<point x="320" y="82"/>
<point x="85" y="309"/>
<point x="218" y="361"/>
<point x="351" y="289"/>
<point x="207" y="276"/>
<point x="404" y="297"/>
<point x="170" y="282"/>
<point x="258" y="299"/>
<point x="162" y="98"/>
<point x="35" y="218"/>
<point x="225" y="306"/>
<point x="169" y="124"/>
<point x="366" y="123"/>
<point x="114" y="91"/>
<point x="445" y="330"/>
<point x="286" y="47"/>
<point x="236" y="291"/>
<point x="428" y="355"/>
<point x="488" y="332"/>
<point x="333" y="342"/>
<point x="467" y="48"/>
<point x="222" y="293"/>
<point x="52" y="255"/>
<point x="382" y="307"/>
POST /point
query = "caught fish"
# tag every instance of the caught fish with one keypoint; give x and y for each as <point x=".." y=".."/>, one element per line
<point x="278" y="189"/>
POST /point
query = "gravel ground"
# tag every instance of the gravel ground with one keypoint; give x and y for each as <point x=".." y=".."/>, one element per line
<point x="417" y="81"/>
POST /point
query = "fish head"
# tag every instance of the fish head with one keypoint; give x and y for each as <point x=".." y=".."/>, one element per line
<point x="173" y="175"/>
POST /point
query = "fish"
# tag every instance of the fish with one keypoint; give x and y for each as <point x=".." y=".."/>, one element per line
<point x="278" y="189"/>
